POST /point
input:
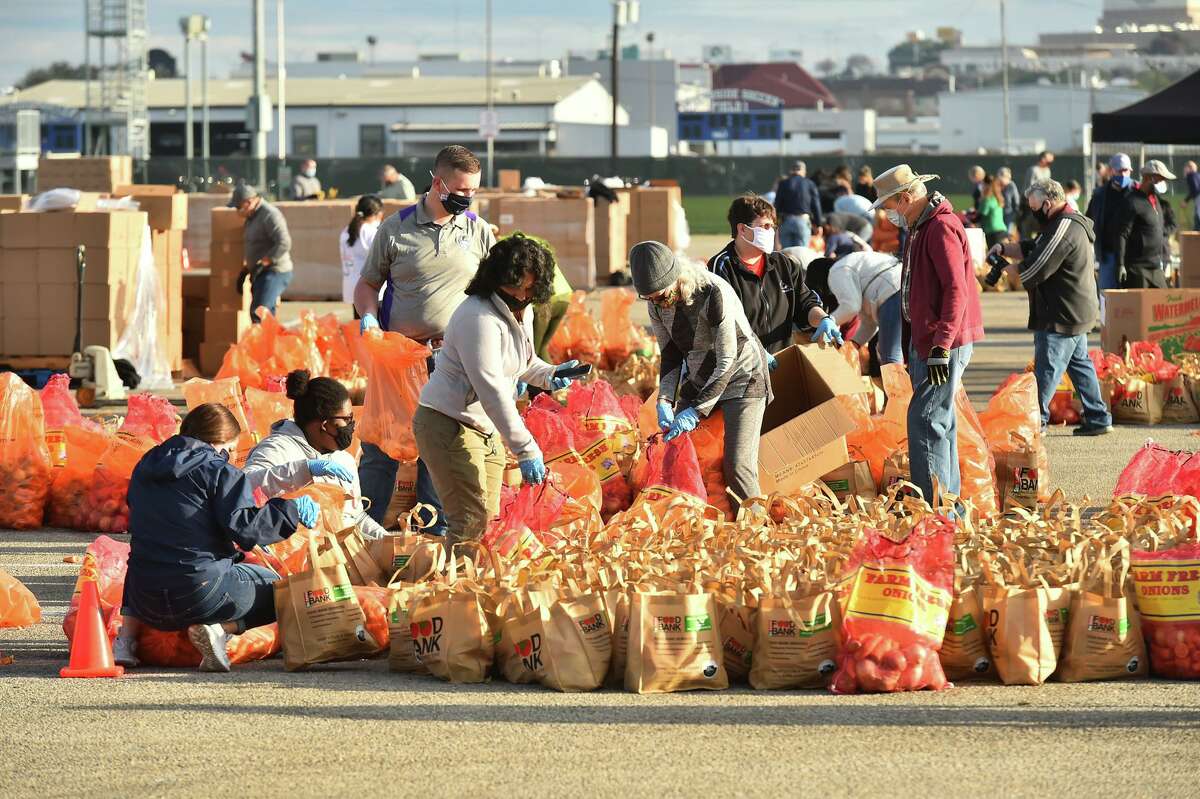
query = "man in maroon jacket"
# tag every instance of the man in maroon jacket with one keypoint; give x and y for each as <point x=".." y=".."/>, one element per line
<point x="940" y="298"/>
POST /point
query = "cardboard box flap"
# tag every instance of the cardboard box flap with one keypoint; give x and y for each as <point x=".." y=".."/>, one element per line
<point x="831" y="365"/>
<point x="813" y="430"/>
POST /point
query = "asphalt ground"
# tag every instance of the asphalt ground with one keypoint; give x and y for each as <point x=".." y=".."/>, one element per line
<point x="358" y="728"/>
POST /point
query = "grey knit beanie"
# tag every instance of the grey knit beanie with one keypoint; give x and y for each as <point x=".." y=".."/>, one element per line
<point x="653" y="266"/>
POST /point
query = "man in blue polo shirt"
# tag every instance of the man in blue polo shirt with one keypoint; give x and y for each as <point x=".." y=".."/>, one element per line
<point x="425" y="255"/>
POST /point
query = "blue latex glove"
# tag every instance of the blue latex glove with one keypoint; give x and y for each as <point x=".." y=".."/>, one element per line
<point x="557" y="383"/>
<point x="308" y="511"/>
<point x="665" y="416"/>
<point x="323" y="468"/>
<point x="521" y="389"/>
<point x="828" y="331"/>
<point x="685" y="422"/>
<point x="367" y="322"/>
<point x="771" y="362"/>
<point x="533" y="471"/>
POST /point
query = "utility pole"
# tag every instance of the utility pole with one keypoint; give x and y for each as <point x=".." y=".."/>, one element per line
<point x="189" y="146"/>
<point x="260" y="93"/>
<point x="491" y="139"/>
<point x="280" y="83"/>
<point x="205" y="138"/>
<point x="624" y="12"/>
<point x="1004" y="77"/>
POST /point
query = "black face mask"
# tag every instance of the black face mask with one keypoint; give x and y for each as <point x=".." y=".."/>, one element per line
<point x="512" y="302"/>
<point x="1041" y="216"/>
<point x="344" y="436"/>
<point x="456" y="203"/>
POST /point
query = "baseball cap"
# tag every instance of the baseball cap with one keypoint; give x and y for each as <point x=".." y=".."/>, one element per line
<point x="1156" y="167"/>
<point x="1120" y="161"/>
<point x="241" y="193"/>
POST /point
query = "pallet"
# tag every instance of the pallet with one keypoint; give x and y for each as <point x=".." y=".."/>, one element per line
<point x="20" y="362"/>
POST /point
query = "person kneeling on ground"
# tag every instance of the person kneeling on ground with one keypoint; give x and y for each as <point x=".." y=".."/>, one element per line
<point x="189" y="512"/>
<point x="866" y="285"/>
<point x="1058" y="272"/>
<point x="311" y="447"/>
<point x="700" y="325"/>
<point x="469" y="404"/>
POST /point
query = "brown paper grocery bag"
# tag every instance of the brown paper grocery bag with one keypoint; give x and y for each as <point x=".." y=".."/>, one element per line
<point x="1017" y="479"/>
<point x="413" y="556"/>
<point x="360" y="565"/>
<point x="320" y="619"/>
<point x="566" y="646"/>
<point x="1137" y="402"/>
<point x="851" y="479"/>
<point x="964" y="653"/>
<point x="401" y="657"/>
<point x="1179" y="403"/>
<point x="796" y="641"/>
<point x="450" y="631"/>
<point x="617" y="606"/>
<point x="673" y="644"/>
<point x="1104" y="634"/>
<point x="735" y="625"/>
<point x="404" y="496"/>
<point x="1025" y="630"/>
<point x="516" y="625"/>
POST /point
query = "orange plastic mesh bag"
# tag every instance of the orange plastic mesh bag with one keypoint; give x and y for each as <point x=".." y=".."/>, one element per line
<point x="1012" y="416"/>
<point x="18" y="606"/>
<point x="108" y="499"/>
<point x="239" y="364"/>
<point x="620" y="336"/>
<point x="578" y="335"/>
<point x="396" y="375"/>
<point x="24" y="460"/>
<point x="69" y="505"/>
<point x="227" y="392"/>
<point x="265" y="408"/>
<point x="151" y="416"/>
<point x="976" y="465"/>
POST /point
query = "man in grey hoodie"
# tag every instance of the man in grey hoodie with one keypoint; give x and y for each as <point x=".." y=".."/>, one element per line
<point x="1058" y="272"/>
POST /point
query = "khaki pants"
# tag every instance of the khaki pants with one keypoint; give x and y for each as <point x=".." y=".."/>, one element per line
<point x="466" y="467"/>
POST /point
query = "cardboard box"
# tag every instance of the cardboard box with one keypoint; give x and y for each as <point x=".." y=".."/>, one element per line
<point x="211" y="355"/>
<point x="106" y="229"/>
<point x="1167" y="316"/>
<point x="95" y="173"/>
<point x="225" y="327"/>
<point x="222" y="293"/>
<point x="198" y="235"/>
<point x="56" y="336"/>
<point x="851" y="479"/>
<point x="20" y="335"/>
<point x="103" y="266"/>
<point x="508" y="179"/>
<point x="612" y="247"/>
<point x="164" y="212"/>
<point x="568" y="224"/>
<point x="225" y="224"/>
<point x="13" y="202"/>
<point x="195" y="286"/>
<point x="804" y="429"/>
<point x="18" y="266"/>
<point x="226" y="256"/>
<point x="19" y="231"/>
<point x="99" y="302"/>
<point x="57" y="229"/>
<point x="1189" y="259"/>
<point x="20" y="301"/>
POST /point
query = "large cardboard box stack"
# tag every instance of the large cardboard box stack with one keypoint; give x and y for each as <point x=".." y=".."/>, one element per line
<point x="198" y="235"/>
<point x="804" y="428"/>
<point x="94" y="173"/>
<point x="315" y="227"/>
<point x="652" y="214"/>
<point x="39" y="279"/>
<point x="227" y="314"/>
<point x="1170" y="317"/>
<point x="167" y="213"/>
<point x="1189" y="259"/>
<point x="568" y="224"/>
<point x="13" y="202"/>
<point x="612" y="241"/>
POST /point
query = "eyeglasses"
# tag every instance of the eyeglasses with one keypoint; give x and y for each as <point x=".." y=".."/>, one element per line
<point x="347" y="418"/>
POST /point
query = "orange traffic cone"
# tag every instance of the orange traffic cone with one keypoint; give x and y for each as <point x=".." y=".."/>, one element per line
<point x="91" y="651"/>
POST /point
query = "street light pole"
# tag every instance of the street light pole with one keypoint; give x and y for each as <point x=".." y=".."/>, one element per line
<point x="205" y="138"/>
<point x="491" y="140"/>
<point x="1004" y="77"/>
<point x="188" y="144"/>
<point x="618" y="12"/>
<point x="280" y="81"/>
<point x="260" y="92"/>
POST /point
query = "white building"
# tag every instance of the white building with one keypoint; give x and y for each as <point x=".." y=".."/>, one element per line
<point x="1050" y="117"/>
<point x="381" y="117"/>
<point x="919" y="134"/>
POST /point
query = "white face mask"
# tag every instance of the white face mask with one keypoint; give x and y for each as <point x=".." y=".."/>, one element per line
<point x="762" y="238"/>
<point x="895" y="217"/>
<point x="310" y="173"/>
<point x="1161" y="187"/>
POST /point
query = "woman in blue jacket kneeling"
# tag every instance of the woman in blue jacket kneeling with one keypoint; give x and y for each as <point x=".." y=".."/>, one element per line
<point x="189" y="511"/>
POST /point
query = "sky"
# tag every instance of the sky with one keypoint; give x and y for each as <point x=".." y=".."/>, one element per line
<point x="50" y="30"/>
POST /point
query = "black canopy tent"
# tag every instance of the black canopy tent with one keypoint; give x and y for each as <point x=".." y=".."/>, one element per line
<point x="1172" y="116"/>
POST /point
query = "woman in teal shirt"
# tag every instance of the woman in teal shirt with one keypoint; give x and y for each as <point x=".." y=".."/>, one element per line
<point x="991" y="212"/>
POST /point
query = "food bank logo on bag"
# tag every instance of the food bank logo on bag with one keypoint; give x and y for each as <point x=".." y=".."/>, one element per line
<point x="1104" y="624"/>
<point x="330" y="593"/>
<point x="592" y="624"/>
<point x="426" y="637"/>
<point x="779" y="627"/>
<point x="668" y="624"/>
<point x="530" y="652"/>
<point x="1057" y="616"/>
<point x="736" y="650"/>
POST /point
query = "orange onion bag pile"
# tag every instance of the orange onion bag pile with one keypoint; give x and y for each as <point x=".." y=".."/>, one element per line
<point x="24" y="460"/>
<point x="108" y="499"/>
<point x="1167" y="586"/>
<point x="396" y="374"/>
<point x="896" y="610"/>
<point x="151" y="416"/>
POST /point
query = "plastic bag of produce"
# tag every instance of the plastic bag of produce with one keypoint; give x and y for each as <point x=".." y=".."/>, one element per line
<point x="1167" y="584"/>
<point x="1154" y="471"/>
<point x="595" y="409"/>
<point x="896" y="611"/>
<point x="555" y="437"/>
<point x="1012" y="423"/>
<point x="108" y="499"/>
<point x="173" y="649"/>
<point x="68" y="505"/>
<point x="671" y="469"/>
<point x="578" y="335"/>
<point x="265" y="408"/>
<point x="673" y="644"/>
<point x="621" y="337"/>
<point x="109" y="559"/>
<point x="1104" y="632"/>
<point x="18" y="606"/>
<point x="396" y="375"/>
<point x="975" y="462"/>
<point x="151" y="416"/>
<point x="24" y="461"/>
<point x="60" y="410"/>
<point x="239" y="364"/>
<point x="228" y="392"/>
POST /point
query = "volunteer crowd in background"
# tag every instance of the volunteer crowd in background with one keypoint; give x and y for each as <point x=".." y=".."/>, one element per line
<point x="436" y="273"/>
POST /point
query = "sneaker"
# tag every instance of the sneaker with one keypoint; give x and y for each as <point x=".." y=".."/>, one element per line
<point x="1092" y="430"/>
<point x="210" y="640"/>
<point x="125" y="652"/>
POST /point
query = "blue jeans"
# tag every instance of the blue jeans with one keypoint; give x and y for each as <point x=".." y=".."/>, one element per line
<point x="1054" y="354"/>
<point x="933" y="425"/>
<point x="266" y="289"/>
<point x="795" y="231"/>
<point x="243" y="594"/>
<point x="377" y="476"/>
<point x="890" y="347"/>
<point x="1108" y="272"/>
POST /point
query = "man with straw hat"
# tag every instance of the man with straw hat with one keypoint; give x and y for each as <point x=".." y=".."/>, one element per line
<point x="940" y="299"/>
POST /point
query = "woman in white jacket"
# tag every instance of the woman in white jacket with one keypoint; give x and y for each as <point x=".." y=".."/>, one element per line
<point x="468" y="410"/>
<point x="355" y="242"/>
<point x="311" y="447"/>
<point x="866" y="285"/>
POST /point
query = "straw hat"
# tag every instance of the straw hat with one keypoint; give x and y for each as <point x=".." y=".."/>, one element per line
<point x="898" y="179"/>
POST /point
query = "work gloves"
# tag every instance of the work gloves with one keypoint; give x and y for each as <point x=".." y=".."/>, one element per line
<point x="367" y="322"/>
<point x="665" y="416"/>
<point x="533" y="470"/>
<point x="323" y="468"/>
<point x="308" y="511"/>
<point x="938" y="366"/>
<point x="685" y="422"/>
<point x="827" y="331"/>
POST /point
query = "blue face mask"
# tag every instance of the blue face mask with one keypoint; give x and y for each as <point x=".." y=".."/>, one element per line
<point x="1122" y="181"/>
